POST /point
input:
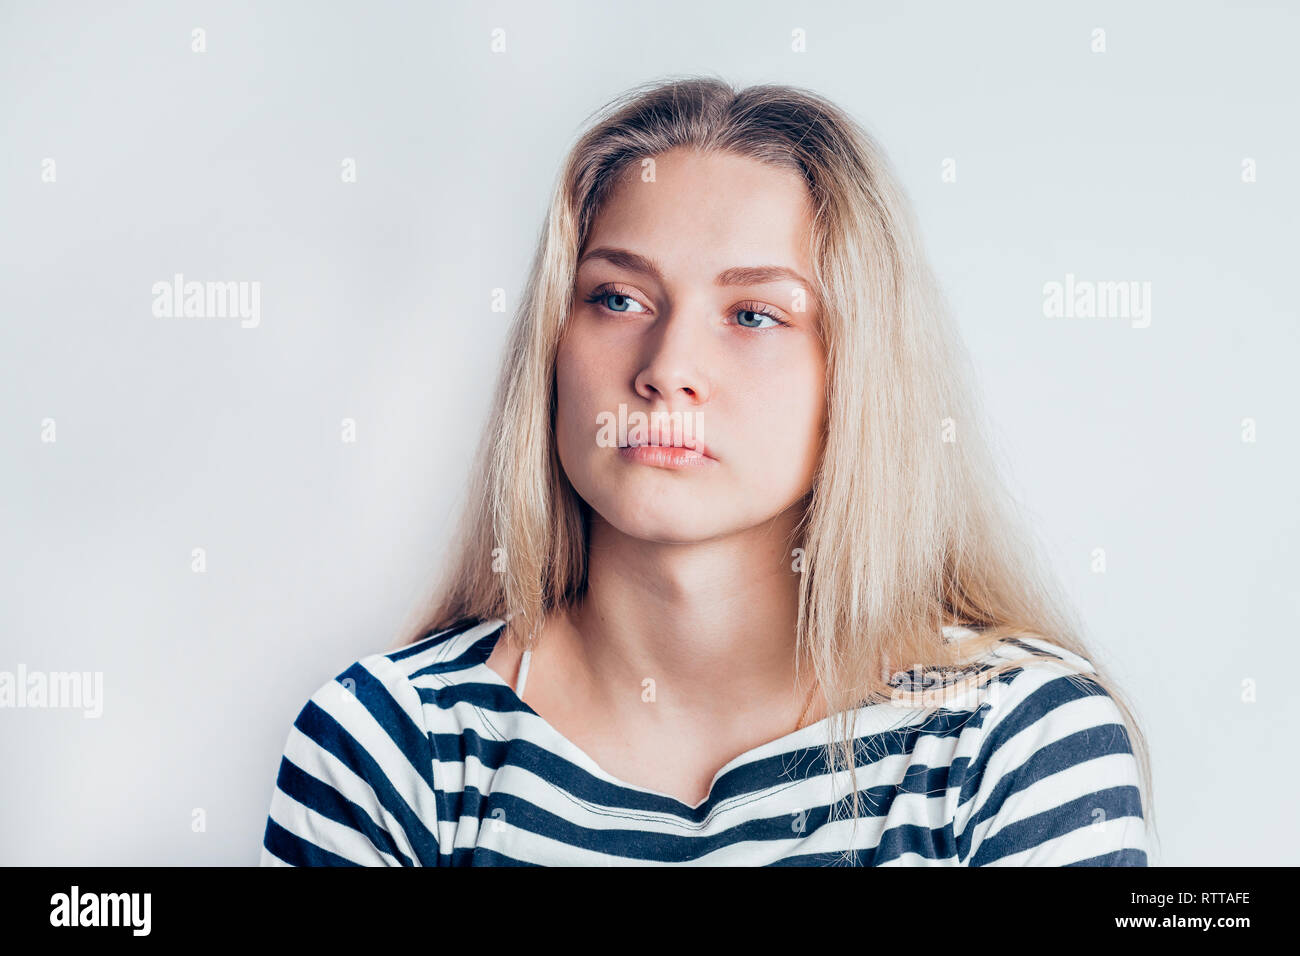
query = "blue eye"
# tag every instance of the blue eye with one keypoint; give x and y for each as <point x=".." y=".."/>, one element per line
<point x="606" y="294"/>
<point x="626" y="301"/>
<point x="759" y="313"/>
<point x="623" y="302"/>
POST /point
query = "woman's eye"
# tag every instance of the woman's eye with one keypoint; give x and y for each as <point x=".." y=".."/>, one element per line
<point x="614" y="301"/>
<point x="745" y="316"/>
<point x="617" y="302"/>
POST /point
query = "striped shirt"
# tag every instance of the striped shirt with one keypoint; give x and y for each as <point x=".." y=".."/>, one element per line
<point x="425" y="756"/>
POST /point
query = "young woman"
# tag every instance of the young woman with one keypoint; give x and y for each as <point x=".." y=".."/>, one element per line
<point x="736" y="583"/>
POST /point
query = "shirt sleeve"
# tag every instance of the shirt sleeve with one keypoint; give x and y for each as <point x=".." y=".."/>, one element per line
<point x="355" y="785"/>
<point x="1054" y="781"/>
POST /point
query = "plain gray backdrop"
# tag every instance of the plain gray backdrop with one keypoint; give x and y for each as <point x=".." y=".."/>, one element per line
<point x="173" y="434"/>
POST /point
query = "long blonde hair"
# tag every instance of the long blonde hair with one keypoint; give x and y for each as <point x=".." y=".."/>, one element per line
<point x="907" y="528"/>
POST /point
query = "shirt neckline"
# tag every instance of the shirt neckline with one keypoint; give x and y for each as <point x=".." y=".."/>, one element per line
<point x="588" y="763"/>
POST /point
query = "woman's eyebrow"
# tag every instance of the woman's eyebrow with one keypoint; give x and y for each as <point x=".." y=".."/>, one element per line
<point x="738" y="275"/>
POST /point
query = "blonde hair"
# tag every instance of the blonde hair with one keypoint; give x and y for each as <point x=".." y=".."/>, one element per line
<point x="907" y="527"/>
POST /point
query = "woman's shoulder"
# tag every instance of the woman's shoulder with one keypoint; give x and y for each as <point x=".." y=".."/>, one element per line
<point x="1049" y="774"/>
<point x="450" y="653"/>
<point x="357" y="780"/>
<point x="441" y="658"/>
<point x="398" y="700"/>
<point x="1031" y="649"/>
<point x="1005" y="665"/>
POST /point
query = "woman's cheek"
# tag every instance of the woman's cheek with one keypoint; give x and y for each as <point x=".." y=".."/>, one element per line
<point x="578" y="391"/>
<point x="787" y="434"/>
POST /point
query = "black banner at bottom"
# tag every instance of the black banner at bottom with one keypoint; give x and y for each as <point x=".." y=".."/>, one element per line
<point x="236" y="904"/>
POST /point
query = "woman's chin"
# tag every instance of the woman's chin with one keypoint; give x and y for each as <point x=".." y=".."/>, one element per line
<point x="666" y="523"/>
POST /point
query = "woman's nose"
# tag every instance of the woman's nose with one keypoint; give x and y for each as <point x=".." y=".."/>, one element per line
<point x="674" y="362"/>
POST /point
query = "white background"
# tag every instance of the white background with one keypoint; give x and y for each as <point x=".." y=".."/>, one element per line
<point x="180" y="433"/>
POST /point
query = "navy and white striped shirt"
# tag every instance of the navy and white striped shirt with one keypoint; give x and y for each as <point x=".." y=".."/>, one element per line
<point x="425" y="756"/>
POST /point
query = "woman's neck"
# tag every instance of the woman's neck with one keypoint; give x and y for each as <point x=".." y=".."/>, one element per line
<point x="704" y="629"/>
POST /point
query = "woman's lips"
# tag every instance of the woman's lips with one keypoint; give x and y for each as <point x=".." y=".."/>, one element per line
<point x="665" y="456"/>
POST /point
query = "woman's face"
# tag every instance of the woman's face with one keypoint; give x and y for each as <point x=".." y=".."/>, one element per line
<point x="685" y="318"/>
